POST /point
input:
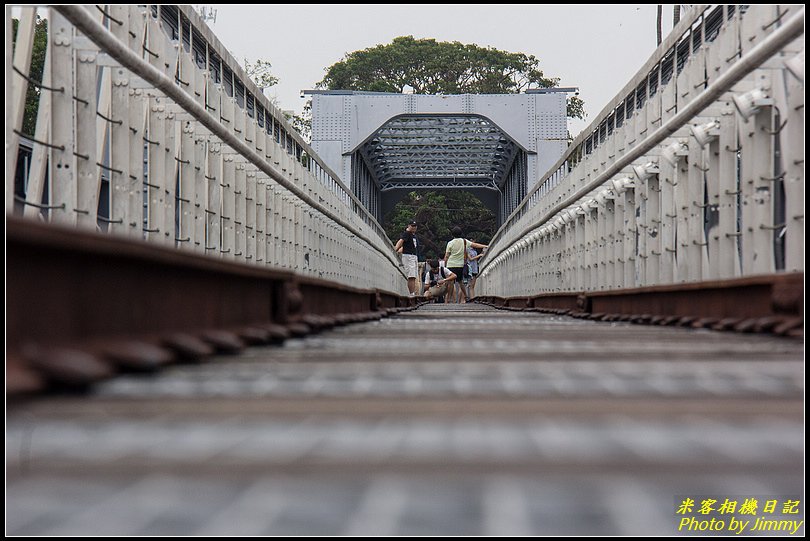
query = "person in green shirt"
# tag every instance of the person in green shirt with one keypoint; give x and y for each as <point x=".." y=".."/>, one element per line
<point x="454" y="257"/>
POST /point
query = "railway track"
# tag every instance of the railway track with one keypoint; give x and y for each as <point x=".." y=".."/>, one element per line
<point x="447" y="420"/>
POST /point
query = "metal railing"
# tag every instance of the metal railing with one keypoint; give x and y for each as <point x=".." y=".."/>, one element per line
<point x="694" y="172"/>
<point x="137" y="135"/>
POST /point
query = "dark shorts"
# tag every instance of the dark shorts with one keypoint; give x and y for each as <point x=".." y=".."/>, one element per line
<point x="458" y="271"/>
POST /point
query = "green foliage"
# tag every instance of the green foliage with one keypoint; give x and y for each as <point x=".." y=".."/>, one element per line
<point x="302" y="123"/>
<point x="433" y="67"/>
<point x="259" y="72"/>
<point x="35" y="72"/>
<point x="575" y="107"/>
<point x="437" y="213"/>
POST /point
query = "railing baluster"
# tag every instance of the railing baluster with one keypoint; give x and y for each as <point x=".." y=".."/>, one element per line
<point x="240" y="212"/>
<point x="199" y="162"/>
<point x="186" y="196"/>
<point x="228" y="213"/>
<point x="172" y="175"/>
<point x="711" y="210"/>
<point x="260" y="217"/>
<point x="93" y="120"/>
<point x="62" y="186"/>
<point x="729" y="208"/>
<point x="651" y="232"/>
<point x="690" y="216"/>
<point x="758" y="191"/>
<point x="250" y="215"/>
<point x="631" y="201"/>
<point x="213" y="203"/>
<point x="793" y="151"/>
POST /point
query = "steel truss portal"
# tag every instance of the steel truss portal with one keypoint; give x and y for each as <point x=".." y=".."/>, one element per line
<point x="385" y="145"/>
<point x="461" y="151"/>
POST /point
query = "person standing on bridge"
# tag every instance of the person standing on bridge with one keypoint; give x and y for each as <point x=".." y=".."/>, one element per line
<point x="408" y="246"/>
<point x="472" y="261"/>
<point x="455" y="256"/>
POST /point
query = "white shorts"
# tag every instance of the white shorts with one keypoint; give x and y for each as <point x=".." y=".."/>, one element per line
<point x="411" y="264"/>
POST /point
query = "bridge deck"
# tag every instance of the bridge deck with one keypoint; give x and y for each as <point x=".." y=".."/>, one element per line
<point x="446" y="420"/>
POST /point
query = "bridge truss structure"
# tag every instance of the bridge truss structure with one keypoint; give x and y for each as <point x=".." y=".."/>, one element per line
<point x="385" y="145"/>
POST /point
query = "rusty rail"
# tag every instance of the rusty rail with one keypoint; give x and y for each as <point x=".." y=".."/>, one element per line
<point x="768" y="303"/>
<point x="82" y="306"/>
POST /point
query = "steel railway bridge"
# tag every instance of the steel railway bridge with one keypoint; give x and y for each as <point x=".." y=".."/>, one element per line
<point x="208" y="332"/>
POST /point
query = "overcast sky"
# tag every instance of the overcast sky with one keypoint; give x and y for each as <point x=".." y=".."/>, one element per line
<point x="595" y="48"/>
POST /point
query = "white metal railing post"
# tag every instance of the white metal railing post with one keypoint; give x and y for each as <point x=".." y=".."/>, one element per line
<point x="581" y="270"/>
<point x="758" y="181"/>
<point x="710" y="212"/>
<point x="278" y="222"/>
<point x="228" y="213"/>
<point x="126" y="132"/>
<point x="793" y="151"/>
<point x="261" y="218"/>
<point x="297" y="223"/>
<point x="690" y="217"/>
<point x="166" y="178"/>
<point x="269" y="222"/>
<point x="651" y="233"/>
<point x="186" y="184"/>
<point x="643" y="230"/>
<point x="62" y="186"/>
<point x="155" y="170"/>
<point x="199" y="161"/>
<point x="213" y="202"/>
<point x="240" y="210"/>
<point x="629" y="229"/>
<point x="250" y="215"/>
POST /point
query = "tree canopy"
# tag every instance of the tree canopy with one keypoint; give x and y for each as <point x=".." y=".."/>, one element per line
<point x="439" y="67"/>
<point x="260" y="72"/>
<point x="35" y="72"/>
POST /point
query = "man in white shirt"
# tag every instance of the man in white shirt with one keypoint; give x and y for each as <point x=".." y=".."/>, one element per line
<point x="438" y="280"/>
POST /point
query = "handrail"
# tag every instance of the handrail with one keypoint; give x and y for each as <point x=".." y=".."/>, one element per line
<point x="85" y="22"/>
<point x="672" y="39"/>
<point x="235" y="67"/>
<point x="791" y="30"/>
